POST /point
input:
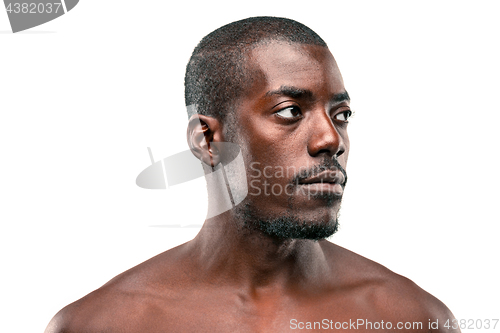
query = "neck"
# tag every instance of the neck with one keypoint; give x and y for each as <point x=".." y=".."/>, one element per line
<point x="228" y="252"/>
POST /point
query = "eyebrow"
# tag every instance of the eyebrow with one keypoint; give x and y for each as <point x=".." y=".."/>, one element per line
<point x="292" y="92"/>
<point x="299" y="93"/>
<point x="341" y="97"/>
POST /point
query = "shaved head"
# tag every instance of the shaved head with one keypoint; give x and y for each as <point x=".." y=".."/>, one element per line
<point x="217" y="72"/>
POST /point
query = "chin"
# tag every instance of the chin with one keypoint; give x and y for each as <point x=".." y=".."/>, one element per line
<point x="293" y="229"/>
<point x="289" y="225"/>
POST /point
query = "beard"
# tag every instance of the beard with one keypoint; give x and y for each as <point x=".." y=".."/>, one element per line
<point x="285" y="227"/>
<point x="290" y="225"/>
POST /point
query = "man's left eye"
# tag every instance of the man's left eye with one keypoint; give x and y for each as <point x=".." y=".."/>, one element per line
<point x="343" y="116"/>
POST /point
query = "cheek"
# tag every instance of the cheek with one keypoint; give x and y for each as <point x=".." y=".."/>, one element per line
<point x="267" y="165"/>
<point x="270" y="145"/>
<point x="259" y="147"/>
<point x="274" y="154"/>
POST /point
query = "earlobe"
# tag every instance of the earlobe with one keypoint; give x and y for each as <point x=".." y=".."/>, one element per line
<point x="202" y="132"/>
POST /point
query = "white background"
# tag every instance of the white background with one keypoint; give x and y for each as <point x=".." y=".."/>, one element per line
<point x="82" y="97"/>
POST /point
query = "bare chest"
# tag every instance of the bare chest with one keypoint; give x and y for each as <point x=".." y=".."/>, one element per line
<point x="226" y="313"/>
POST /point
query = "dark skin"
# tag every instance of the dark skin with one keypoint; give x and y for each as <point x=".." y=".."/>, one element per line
<point x="234" y="279"/>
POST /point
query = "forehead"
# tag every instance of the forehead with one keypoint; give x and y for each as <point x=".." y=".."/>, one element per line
<point x="309" y="67"/>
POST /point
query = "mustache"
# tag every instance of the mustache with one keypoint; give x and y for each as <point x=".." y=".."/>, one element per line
<point x="328" y="164"/>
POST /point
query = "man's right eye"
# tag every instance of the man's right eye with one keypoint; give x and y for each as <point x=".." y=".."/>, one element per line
<point x="290" y="112"/>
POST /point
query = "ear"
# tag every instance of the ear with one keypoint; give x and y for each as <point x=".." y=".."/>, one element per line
<point x="202" y="131"/>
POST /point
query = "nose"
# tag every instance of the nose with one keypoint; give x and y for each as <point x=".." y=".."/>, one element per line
<point x="325" y="137"/>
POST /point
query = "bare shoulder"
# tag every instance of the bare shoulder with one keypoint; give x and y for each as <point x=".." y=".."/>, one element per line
<point x="389" y="295"/>
<point x="123" y="302"/>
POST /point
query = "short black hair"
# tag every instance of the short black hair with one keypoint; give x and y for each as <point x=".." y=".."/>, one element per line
<point x="216" y="73"/>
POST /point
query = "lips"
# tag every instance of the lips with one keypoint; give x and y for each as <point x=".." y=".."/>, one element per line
<point x="327" y="176"/>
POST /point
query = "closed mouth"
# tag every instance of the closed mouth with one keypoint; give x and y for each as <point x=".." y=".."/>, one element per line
<point x="328" y="176"/>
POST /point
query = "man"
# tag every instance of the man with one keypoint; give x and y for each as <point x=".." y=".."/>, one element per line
<point x="272" y="87"/>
